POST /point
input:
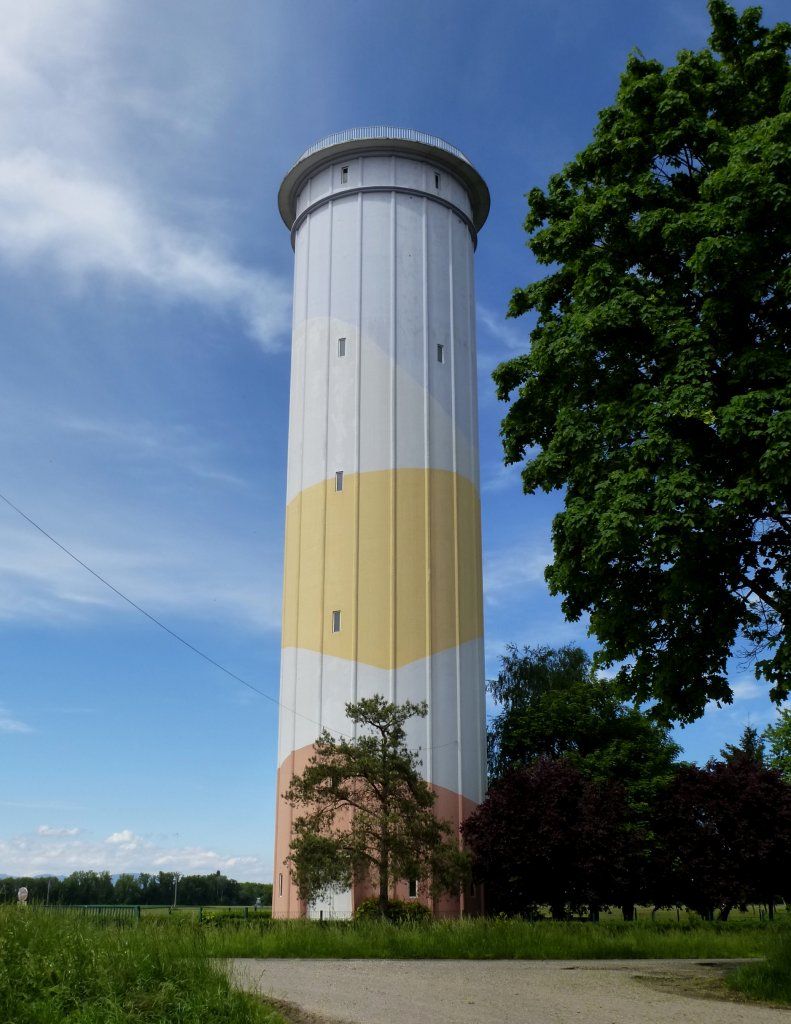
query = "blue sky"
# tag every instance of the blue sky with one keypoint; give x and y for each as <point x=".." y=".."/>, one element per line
<point x="145" y="281"/>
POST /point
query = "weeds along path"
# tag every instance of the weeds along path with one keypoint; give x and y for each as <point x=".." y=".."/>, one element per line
<point x="500" y="991"/>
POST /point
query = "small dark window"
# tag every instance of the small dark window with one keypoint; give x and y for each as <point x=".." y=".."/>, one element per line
<point x="440" y="353"/>
<point x="437" y="181"/>
<point x="344" y="175"/>
<point x="280" y="884"/>
<point x="413" y="888"/>
<point x="336" y="621"/>
<point x="341" y="346"/>
<point x="339" y="480"/>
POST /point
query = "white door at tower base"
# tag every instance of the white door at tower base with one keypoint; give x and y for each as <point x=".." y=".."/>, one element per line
<point x="336" y="905"/>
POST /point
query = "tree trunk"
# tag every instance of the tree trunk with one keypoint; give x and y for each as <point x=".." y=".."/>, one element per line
<point x="383" y="895"/>
<point x="628" y="911"/>
<point x="384" y="877"/>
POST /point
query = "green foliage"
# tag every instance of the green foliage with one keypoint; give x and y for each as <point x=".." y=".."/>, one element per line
<point x="234" y="917"/>
<point x="368" y="814"/>
<point x="493" y="939"/>
<point x="724" y="837"/>
<point x="398" y="911"/>
<point x="778" y="736"/>
<point x="91" y="887"/>
<point x="87" y="887"/>
<point x="546" y="835"/>
<point x="769" y="980"/>
<point x="552" y="704"/>
<point x="58" y="966"/>
<point x="751" y="747"/>
<point x="656" y="387"/>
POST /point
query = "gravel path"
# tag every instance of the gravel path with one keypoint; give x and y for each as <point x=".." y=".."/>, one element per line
<point x="498" y="991"/>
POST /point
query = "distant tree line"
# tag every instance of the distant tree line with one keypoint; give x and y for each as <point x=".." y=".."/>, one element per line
<point x="84" y="887"/>
<point x="589" y="807"/>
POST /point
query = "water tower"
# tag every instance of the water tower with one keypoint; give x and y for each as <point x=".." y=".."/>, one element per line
<point x="382" y="583"/>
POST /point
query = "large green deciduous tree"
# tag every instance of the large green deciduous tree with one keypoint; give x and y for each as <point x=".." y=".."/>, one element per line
<point x="656" y="389"/>
<point x="552" y="704"/>
<point x="368" y="813"/>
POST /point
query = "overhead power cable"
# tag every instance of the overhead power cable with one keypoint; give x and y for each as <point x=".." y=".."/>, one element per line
<point x="173" y="633"/>
<point x="149" y="616"/>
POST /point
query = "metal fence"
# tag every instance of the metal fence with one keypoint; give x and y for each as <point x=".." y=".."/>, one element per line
<point x="119" y="911"/>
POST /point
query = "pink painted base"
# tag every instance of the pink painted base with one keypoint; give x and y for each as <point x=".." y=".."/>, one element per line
<point x="285" y="900"/>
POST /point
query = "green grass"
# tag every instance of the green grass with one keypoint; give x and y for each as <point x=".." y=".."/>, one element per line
<point x="71" y="969"/>
<point x="769" y="980"/>
<point x="486" y="939"/>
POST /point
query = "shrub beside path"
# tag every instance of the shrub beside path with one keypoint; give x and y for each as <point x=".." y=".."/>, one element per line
<point x="500" y="991"/>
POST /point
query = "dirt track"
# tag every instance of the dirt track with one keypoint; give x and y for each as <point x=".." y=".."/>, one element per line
<point x="499" y="991"/>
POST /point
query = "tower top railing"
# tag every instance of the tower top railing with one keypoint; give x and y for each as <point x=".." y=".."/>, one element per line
<point x="382" y="132"/>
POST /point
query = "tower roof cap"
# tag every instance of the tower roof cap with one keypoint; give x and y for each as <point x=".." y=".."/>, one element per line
<point x="381" y="137"/>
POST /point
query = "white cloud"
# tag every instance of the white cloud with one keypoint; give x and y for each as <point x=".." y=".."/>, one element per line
<point x="498" y="477"/>
<point x="9" y="724"/>
<point x="511" y="334"/>
<point x="175" y="448"/>
<point x="513" y="569"/>
<point x="86" y="226"/>
<point x="74" y="199"/>
<point x="156" y="568"/>
<point x="127" y="837"/>
<point x="49" y="830"/>
<point x="747" y="687"/>
<point x="123" y="851"/>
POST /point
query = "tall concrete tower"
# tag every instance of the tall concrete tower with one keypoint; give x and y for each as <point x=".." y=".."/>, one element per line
<point x="382" y="590"/>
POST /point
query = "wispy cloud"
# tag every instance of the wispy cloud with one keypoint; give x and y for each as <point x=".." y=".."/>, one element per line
<point x="153" y="566"/>
<point x="513" y="569"/>
<point x="69" y="197"/>
<point x="9" y="724"/>
<point x="49" y="830"/>
<point x="83" y="226"/>
<point x="747" y="687"/>
<point x="497" y="477"/>
<point x="61" y="851"/>
<point x="175" y="447"/>
<point x="498" y="339"/>
<point x="510" y="334"/>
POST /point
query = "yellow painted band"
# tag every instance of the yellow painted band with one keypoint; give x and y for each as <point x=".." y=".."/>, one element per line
<point x="397" y="553"/>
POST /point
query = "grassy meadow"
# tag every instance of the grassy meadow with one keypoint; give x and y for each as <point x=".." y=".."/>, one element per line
<point x="64" y="968"/>
<point x="58" y="965"/>
<point x="490" y="939"/>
